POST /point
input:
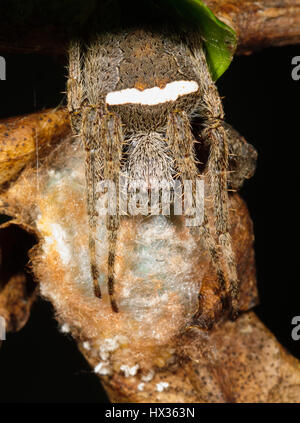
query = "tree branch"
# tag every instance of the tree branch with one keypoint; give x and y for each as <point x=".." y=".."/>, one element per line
<point x="25" y="139"/>
<point x="258" y="24"/>
<point x="133" y="364"/>
<point x="146" y="353"/>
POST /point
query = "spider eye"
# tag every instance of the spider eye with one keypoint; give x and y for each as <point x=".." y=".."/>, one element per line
<point x="152" y="96"/>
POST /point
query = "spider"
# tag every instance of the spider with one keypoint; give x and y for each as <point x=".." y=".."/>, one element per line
<point x="120" y="106"/>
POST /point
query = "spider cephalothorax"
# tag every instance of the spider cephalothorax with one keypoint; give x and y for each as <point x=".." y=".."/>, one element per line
<point x="132" y="94"/>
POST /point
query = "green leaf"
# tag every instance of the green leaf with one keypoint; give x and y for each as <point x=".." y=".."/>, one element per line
<point x="219" y="39"/>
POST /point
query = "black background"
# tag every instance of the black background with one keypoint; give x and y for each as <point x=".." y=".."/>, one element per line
<point x="261" y="100"/>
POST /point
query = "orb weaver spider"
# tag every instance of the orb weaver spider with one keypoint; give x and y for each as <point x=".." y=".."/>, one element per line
<point x="120" y="106"/>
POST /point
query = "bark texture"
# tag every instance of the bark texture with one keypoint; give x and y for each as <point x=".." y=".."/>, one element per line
<point x="144" y="353"/>
<point x="258" y="24"/>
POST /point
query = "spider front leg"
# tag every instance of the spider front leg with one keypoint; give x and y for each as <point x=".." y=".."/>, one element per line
<point x="84" y="122"/>
<point x="102" y="135"/>
<point x="111" y="141"/>
<point x="217" y="168"/>
<point x="93" y="175"/>
<point x="215" y="135"/>
<point x="210" y="109"/>
<point x="181" y="141"/>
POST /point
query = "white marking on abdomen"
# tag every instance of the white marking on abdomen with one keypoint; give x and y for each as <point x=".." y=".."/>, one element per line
<point x="152" y="96"/>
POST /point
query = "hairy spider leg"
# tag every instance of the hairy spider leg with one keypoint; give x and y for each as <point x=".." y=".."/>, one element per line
<point x="101" y="133"/>
<point x="212" y="114"/>
<point x="112" y="140"/>
<point x="182" y="141"/>
<point x="90" y="133"/>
